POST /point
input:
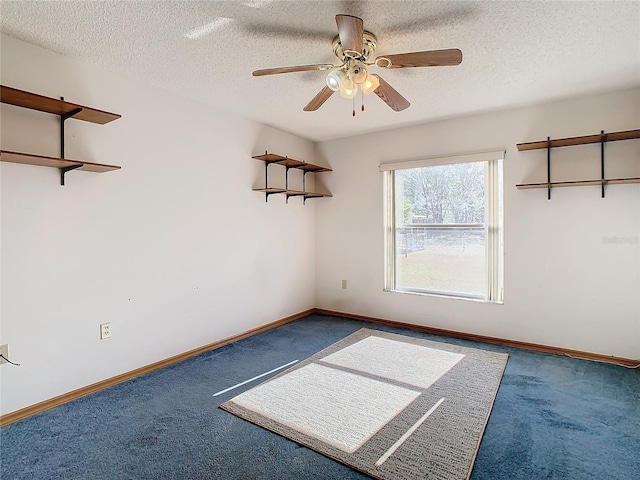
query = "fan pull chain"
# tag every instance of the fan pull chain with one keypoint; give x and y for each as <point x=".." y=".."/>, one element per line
<point x="353" y="102"/>
<point x="362" y="99"/>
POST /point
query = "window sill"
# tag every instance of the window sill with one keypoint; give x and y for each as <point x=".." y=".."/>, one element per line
<point x="444" y="295"/>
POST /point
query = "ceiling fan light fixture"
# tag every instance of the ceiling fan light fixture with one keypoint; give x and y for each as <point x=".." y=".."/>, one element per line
<point x="353" y="46"/>
<point x="370" y="84"/>
<point x="335" y="79"/>
<point x="348" y="88"/>
<point x="358" y="73"/>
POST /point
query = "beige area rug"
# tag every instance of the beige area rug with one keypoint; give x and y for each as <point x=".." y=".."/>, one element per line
<point x="391" y="406"/>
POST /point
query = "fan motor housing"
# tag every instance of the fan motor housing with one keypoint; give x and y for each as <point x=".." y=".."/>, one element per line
<point x="369" y="44"/>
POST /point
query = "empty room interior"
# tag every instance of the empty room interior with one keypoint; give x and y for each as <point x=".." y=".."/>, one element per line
<point x="217" y="215"/>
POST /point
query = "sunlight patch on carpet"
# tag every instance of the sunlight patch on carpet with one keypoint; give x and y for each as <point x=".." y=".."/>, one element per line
<point x="337" y="407"/>
<point x="400" y="361"/>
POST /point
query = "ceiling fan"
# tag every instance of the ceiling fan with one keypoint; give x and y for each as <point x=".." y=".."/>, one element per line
<point x="353" y="46"/>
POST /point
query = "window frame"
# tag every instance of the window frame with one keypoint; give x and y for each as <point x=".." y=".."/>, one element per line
<point x="494" y="229"/>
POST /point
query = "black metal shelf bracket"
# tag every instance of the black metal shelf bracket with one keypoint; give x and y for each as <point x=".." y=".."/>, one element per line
<point x="64" y="170"/>
<point x="63" y="118"/>
<point x="304" y="186"/>
<point x="548" y="168"/>
<point x="286" y="180"/>
<point x="266" y="177"/>
<point x="603" y="139"/>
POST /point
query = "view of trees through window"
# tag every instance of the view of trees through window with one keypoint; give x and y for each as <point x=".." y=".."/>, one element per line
<point x="441" y="229"/>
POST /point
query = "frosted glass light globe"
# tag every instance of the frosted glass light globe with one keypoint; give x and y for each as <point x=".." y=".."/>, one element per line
<point x="348" y="89"/>
<point x="370" y="84"/>
<point x="335" y="78"/>
<point x="358" y="73"/>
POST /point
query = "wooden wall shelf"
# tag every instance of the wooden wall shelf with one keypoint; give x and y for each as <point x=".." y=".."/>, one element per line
<point x="600" y="138"/>
<point x="291" y="163"/>
<point x="288" y="163"/>
<point x="581" y="183"/>
<point x="44" y="161"/>
<point x="292" y="193"/>
<point x="20" y="98"/>
<point x="66" y="110"/>
<point x="584" y="140"/>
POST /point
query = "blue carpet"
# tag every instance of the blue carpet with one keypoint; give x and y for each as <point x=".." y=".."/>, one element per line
<point x="554" y="418"/>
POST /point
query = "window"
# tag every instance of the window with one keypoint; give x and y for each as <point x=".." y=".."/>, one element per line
<point x="443" y="224"/>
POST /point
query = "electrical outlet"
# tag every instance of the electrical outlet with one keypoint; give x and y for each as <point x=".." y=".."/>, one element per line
<point x="105" y="330"/>
<point x="4" y="350"/>
<point x="344" y="284"/>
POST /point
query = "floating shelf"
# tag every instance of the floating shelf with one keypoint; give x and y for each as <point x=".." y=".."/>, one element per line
<point x="317" y="195"/>
<point x="270" y="190"/>
<point x="292" y="193"/>
<point x="43" y="161"/>
<point x="600" y="138"/>
<point x="291" y="163"/>
<point x="66" y="110"/>
<point x="288" y="163"/>
<point x="20" y="98"/>
<point x="580" y="183"/>
<point x="584" y="140"/>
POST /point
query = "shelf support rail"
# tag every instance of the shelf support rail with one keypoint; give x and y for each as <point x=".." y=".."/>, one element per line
<point x="304" y="186"/>
<point x="548" y="168"/>
<point x="286" y="181"/>
<point x="304" y="189"/>
<point x="603" y="139"/>
<point x="266" y="176"/>
<point x="63" y="118"/>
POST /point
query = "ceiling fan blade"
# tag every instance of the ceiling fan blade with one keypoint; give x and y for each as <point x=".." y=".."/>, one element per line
<point x="350" y="30"/>
<point x="390" y="96"/>
<point x="432" y="58"/>
<point x="318" y="100"/>
<point x="299" y="68"/>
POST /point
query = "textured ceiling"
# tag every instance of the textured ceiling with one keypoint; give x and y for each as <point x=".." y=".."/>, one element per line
<point x="515" y="53"/>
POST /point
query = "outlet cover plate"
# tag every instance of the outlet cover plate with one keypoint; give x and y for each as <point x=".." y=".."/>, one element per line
<point x="105" y="330"/>
<point x="4" y="350"/>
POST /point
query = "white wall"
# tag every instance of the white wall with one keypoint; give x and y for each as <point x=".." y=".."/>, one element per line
<point x="572" y="264"/>
<point x="174" y="250"/>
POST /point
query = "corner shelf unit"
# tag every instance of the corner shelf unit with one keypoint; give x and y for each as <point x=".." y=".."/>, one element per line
<point x="600" y="138"/>
<point x="66" y="110"/>
<point x="288" y="163"/>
